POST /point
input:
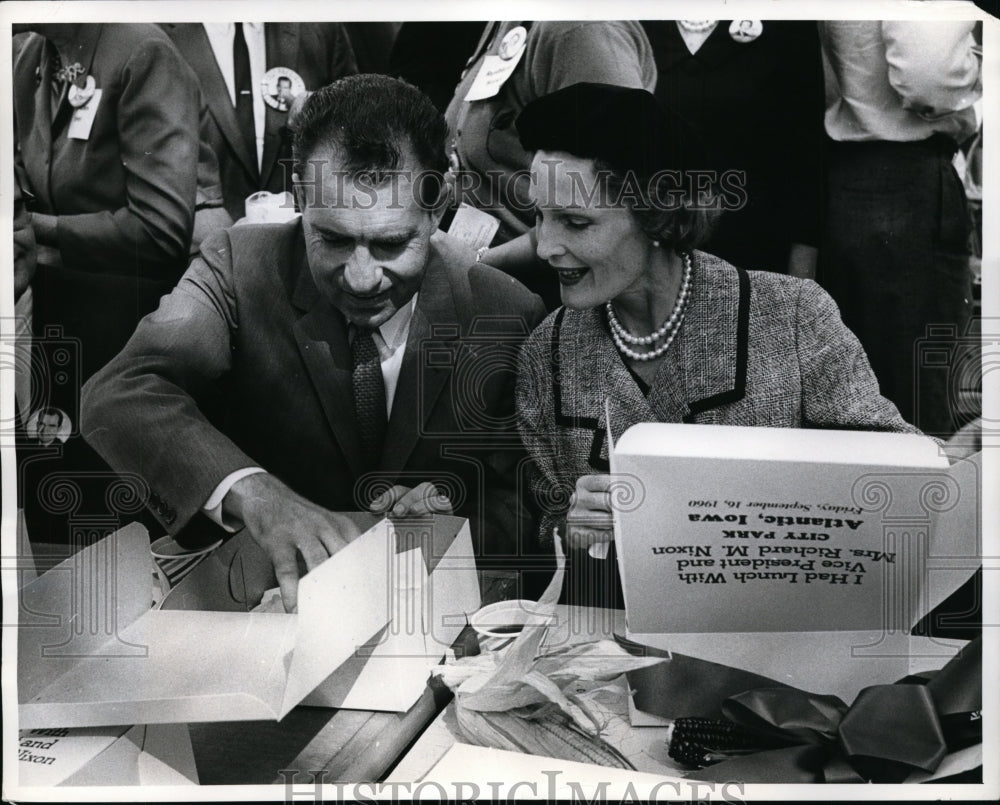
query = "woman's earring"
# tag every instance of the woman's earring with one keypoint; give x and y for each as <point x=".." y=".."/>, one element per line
<point x="656" y="244"/>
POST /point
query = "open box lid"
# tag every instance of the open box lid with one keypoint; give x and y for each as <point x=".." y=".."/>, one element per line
<point x="136" y="665"/>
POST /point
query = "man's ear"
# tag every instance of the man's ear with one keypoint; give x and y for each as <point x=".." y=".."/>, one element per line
<point x="445" y="197"/>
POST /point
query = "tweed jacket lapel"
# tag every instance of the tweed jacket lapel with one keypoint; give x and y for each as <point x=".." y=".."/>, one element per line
<point x="704" y="368"/>
<point x="713" y="347"/>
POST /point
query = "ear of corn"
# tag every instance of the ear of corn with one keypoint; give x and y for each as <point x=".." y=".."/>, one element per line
<point x="551" y="735"/>
<point x="533" y="704"/>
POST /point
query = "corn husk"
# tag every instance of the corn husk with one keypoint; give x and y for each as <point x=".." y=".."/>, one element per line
<point x="535" y="701"/>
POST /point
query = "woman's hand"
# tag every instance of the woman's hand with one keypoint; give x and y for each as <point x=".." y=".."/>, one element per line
<point x="588" y="520"/>
<point x="421" y="500"/>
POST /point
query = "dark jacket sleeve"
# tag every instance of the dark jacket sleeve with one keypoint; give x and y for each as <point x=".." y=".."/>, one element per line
<point x="141" y="412"/>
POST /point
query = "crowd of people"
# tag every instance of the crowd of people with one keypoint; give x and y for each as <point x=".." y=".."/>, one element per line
<point x="472" y="263"/>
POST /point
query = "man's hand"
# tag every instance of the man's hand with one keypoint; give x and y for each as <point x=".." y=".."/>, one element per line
<point x="286" y="526"/>
<point x="401" y="501"/>
<point x="588" y="520"/>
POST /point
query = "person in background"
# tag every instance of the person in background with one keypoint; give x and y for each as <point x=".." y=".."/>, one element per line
<point x="106" y="126"/>
<point x="755" y="90"/>
<point x="901" y="96"/>
<point x="514" y="63"/>
<point x="341" y="345"/>
<point x="107" y="155"/>
<point x="372" y="43"/>
<point x="433" y="55"/>
<point x="650" y="325"/>
<point x="25" y="261"/>
<point x="248" y="128"/>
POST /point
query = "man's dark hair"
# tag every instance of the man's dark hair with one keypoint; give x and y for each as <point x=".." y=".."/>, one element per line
<point x="370" y="121"/>
<point x="51" y="412"/>
<point x="284" y="78"/>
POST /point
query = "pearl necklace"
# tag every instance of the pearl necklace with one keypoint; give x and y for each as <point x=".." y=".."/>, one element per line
<point x="622" y="336"/>
<point x="672" y="326"/>
<point x="696" y="26"/>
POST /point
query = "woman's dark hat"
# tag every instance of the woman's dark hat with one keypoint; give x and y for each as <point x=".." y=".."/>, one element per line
<point x="626" y="128"/>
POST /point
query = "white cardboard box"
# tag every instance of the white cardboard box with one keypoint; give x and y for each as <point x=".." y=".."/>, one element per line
<point x="382" y="610"/>
<point x="891" y="531"/>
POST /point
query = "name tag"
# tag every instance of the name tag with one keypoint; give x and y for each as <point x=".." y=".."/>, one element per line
<point x="473" y="226"/>
<point x="495" y="70"/>
<point x="83" y="118"/>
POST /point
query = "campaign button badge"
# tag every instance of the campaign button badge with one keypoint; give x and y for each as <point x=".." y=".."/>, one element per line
<point x="78" y="96"/>
<point x="513" y="43"/>
<point x="745" y="30"/>
<point x="279" y="86"/>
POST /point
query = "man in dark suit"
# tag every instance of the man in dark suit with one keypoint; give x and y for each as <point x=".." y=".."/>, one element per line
<point x="367" y="360"/>
<point x="254" y="155"/>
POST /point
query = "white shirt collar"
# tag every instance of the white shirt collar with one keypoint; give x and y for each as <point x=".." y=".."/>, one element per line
<point x="394" y="332"/>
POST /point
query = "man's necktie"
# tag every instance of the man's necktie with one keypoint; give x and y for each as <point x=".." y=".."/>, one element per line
<point x="369" y="396"/>
<point x="244" y="88"/>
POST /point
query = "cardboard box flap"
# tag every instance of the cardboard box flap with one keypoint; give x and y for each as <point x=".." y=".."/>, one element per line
<point x="234" y="577"/>
<point x="337" y="613"/>
<point x="430" y="604"/>
<point x="194" y="665"/>
<point x="198" y="666"/>
<point x="189" y="665"/>
<point x="113" y="577"/>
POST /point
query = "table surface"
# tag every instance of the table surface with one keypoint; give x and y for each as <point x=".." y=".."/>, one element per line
<point x="340" y="745"/>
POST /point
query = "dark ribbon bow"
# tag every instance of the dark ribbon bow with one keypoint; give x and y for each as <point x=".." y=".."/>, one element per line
<point x="887" y="733"/>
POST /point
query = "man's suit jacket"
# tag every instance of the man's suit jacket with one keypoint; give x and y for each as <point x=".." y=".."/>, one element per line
<point x="247" y="320"/>
<point x="320" y="53"/>
<point x="124" y="196"/>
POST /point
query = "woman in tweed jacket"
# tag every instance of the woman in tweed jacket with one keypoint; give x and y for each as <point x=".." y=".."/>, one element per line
<point x="744" y="347"/>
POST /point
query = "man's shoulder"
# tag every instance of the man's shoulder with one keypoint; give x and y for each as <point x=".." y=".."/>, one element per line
<point x="488" y="290"/>
<point x="264" y="240"/>
<point x="256" y="255"/>
<point x="130" y="42"/>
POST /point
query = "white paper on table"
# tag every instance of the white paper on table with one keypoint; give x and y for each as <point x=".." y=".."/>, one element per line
<point x="190" y="666"/>
<point x="158" y="754"/>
